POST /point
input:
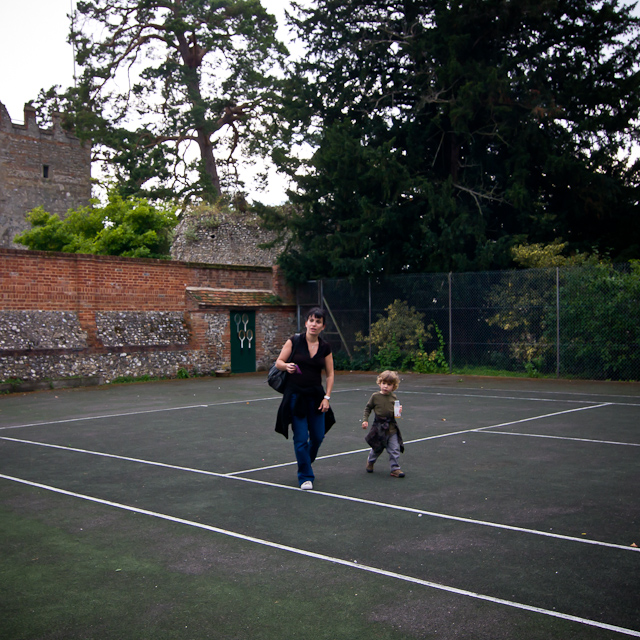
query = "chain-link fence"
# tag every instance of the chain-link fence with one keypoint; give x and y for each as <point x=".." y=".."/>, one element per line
<point x="572" y="322"/>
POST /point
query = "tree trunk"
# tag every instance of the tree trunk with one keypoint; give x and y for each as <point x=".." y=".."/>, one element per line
<point x="208" y="160"/>
<point x="192" y="56"/>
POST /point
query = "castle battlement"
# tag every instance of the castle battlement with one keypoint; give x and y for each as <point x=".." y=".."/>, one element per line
<point x="30" y="127"/>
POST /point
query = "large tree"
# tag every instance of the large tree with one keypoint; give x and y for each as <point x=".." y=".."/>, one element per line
<point x="447" y="131"/>
<point x="160" y="77"/>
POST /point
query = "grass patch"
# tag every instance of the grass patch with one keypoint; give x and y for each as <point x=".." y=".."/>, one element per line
<point x="130" y="379"/>
<point x="79" y="572"/>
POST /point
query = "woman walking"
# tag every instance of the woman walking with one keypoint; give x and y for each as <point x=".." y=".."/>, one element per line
<point x="305" y="404"/>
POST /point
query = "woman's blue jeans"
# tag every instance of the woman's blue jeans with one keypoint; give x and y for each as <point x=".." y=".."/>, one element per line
<point x="308" y="434"/>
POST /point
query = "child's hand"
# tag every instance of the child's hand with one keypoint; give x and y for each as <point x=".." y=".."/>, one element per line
<point x="365" y="425"/>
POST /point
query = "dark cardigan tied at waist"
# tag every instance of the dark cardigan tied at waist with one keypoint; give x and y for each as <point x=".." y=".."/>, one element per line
<point x="378" y="436"/>
<point x="285" y="414"/>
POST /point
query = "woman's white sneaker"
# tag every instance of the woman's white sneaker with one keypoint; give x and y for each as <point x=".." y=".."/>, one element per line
<point x="306" y="486"/>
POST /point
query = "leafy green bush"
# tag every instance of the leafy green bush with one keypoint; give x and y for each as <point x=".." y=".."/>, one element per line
<point x="533" y="367"/>
<point x="130" y="227"/>
<point x="128" y="379"/>
<point x="398" y="340"/>
<point x="390" y="356"/>
<point x="435" y="361"/>
<point x="402" y="324"/>
<point x="599" y="329"/>
<point x="522" y="305"/>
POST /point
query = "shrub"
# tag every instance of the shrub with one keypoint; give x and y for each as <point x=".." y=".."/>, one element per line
<point x="399" y="338"/>
<point x="435" y="361"/>
<point x="130" y="227"/>
<point x="599" y="330"/>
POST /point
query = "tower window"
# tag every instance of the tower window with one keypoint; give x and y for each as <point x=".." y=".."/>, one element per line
<point x="45" y="170"/>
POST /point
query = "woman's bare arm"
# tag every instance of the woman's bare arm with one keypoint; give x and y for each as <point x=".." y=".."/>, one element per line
<point x="281" y="362"/>
<point x="328" y="368"/>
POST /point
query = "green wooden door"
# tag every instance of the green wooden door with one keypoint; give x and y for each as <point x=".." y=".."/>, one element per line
<point x="243" y="341"/>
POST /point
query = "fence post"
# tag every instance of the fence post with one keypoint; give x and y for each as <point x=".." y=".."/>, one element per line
<point x="369" y="332"/>
<point x="337" y="326"/>
<point x="450" y="329"/>
<point x="557" y="322"/>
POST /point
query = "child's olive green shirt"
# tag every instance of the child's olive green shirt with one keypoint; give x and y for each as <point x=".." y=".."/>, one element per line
<point x="382" y="405"/>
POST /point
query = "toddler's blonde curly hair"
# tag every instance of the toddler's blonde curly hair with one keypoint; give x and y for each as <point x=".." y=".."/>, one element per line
<point x="390" y="377"/>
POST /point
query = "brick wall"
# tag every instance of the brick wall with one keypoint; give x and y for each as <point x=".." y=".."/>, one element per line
<point x="70" y="314"/>
<point x="62" y="281"/>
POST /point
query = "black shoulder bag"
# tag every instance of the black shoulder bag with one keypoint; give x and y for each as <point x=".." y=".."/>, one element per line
<point x="276" y="378"/>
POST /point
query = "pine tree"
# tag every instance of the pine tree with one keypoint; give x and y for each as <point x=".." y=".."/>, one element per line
<point x="447" y="132"/>
<point x="163" y="77"/>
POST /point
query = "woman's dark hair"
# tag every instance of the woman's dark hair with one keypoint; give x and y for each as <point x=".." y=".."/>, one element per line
<point x="317" y="312"/>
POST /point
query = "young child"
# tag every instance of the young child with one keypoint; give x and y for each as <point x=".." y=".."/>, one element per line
<point x="384" y="432"/>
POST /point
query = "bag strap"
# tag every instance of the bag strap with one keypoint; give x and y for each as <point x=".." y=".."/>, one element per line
<point x="295" y="344"/>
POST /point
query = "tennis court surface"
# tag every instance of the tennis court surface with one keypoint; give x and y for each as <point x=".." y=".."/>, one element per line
<point x="171" y="510"/>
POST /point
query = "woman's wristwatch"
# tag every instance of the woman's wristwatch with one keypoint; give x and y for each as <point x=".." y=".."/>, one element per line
<point x="327" y="397"/>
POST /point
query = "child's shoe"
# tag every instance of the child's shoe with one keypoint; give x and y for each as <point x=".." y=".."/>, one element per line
<point x="369" y="467"/>
<point x="397" y="473"/>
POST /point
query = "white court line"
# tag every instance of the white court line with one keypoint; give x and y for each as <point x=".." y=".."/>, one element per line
<point x="346" y="498"/>
<point x="490" y="397"/>
<point x="352" y="564"/>
<point x="588" y="399"/>
<point x="517" y="398"/>
<point x="439" y="435"/>
<point x="512" y="422"/>
<point x="590" y="396"/>
<point x="102" y="417"/>
<point x="268" y="398"/>
<point x="537" y="435"/>
<point x="484" y="395"/>
<point x="137" y="413"/>
<point x="134" y="413"/>
<point x="293" y="462"/>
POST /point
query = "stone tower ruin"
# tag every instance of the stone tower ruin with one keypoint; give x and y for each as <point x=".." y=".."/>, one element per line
<point x="39" y="167"/>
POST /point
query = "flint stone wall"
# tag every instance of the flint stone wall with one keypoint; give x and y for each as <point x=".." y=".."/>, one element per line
<point x="141" y="328"/>
<point x="20" y="330"/>
<point x="106" y="366"/>
<point x="60" y="331"/>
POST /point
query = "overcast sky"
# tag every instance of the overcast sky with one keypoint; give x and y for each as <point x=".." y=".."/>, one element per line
<point x="35" y="55"/>
<point x="33" y="51"/>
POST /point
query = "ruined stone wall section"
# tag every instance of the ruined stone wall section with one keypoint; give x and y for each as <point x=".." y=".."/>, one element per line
<point x="67" y="281"/>
<point x="229" y="238"/>
<point x="39" y="167"/>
